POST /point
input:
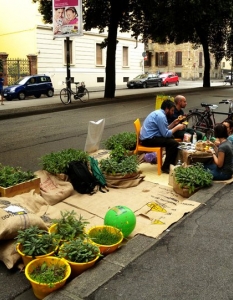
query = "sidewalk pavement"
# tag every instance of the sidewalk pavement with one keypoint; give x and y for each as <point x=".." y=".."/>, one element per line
<point x="191" y="260"/>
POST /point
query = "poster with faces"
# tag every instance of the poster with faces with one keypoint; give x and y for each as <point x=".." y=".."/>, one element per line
<point x="67" y="18"/>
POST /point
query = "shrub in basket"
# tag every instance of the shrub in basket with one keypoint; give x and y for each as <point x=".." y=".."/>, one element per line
<point x="57" y="162"/>
<point x="126" y="139"/>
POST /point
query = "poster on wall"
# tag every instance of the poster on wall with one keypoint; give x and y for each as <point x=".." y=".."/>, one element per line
<point x="67" y="18"/>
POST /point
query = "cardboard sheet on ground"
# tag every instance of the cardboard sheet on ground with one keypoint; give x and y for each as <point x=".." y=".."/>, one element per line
<point x="156" y="206"/>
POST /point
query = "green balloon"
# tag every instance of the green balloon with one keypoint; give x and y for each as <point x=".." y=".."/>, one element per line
<point x="122" y="218"/>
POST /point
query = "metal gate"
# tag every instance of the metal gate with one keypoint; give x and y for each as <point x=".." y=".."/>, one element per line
<point x="17" y="68"/>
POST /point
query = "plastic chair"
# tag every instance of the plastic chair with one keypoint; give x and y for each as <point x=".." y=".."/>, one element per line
<point x="140" y="148"/>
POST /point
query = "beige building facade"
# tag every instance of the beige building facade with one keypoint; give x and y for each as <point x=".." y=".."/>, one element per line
<point x="183" y="59"/>
<point x="23" y="34"/>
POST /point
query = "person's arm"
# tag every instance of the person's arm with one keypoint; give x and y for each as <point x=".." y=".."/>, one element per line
<point x="219" y="160"/>
<point x="173" y="124"/>
<point x="178" y="127"/>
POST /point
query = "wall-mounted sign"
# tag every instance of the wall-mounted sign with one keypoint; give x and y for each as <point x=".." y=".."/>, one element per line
<point x="67" y="18"/>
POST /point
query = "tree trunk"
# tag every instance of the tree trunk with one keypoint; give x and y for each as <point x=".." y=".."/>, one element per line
<point x="110" y="74"/>
<point x="206" y="78"/>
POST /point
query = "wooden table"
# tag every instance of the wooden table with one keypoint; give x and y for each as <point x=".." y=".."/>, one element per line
<point x="190" y="157"/>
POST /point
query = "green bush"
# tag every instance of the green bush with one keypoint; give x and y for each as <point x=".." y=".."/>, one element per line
<point x="57" y="162"/>
<point x="125" y="139"/>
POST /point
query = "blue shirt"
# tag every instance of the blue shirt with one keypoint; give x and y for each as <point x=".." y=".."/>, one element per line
<point x="155" y="125"/>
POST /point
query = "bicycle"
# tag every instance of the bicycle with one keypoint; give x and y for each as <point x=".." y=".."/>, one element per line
<point x="81" y="93"/>
<point x="204" y="120"/>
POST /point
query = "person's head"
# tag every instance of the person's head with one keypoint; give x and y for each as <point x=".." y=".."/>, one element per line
<point x="180" y="101"/>
<point x="59" y="13"/>
<point x="229" y="126"/>
<point x="71" y="13"/>
<point x="220" y="131"/>
<point x="168" y="106"/>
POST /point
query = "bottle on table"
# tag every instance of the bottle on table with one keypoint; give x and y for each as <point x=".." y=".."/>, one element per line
<point x="179" y="163"/>
<point x="194" y="137"/>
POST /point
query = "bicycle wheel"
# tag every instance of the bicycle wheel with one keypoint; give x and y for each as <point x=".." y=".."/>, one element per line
<point x="65" y="96"/>
<point x="84" y="97"/>
<point x="198" y="122"/>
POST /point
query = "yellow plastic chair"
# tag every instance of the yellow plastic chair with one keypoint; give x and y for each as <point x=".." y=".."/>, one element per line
<point x="140" y="148"/>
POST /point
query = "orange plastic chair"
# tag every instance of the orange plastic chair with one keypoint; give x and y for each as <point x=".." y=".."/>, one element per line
<point x="140" y="148"/>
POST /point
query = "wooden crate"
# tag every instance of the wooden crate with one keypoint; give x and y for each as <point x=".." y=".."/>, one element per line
<point x="21" y="188"/>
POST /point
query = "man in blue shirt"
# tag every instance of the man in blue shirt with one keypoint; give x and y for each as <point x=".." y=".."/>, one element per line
<point x="156" y="132"/>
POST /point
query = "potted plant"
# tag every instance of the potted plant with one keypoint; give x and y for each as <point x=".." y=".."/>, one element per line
<point x="189" y="179"/>
<point x="14" y="181"/>
<point x="80" y="254"/>
<point x="47" y="275"/>
<point x="107" y="238"/>
<point x="57" y="162"/>
<point x="68" y="227"/>
<point x="119" y="162"/>
<point x="33" y="242"/>
<point x="121" y="169"/>
<point x="126" y="139"/>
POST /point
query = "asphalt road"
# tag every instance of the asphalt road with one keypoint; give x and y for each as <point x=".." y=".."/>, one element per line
<point x="25" y="139"/>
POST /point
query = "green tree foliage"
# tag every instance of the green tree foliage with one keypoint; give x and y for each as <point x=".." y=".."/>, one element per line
<point x="207" y="23"/>
<point x="177" y="21"/>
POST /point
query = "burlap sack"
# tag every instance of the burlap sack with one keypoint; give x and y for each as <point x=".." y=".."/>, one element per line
<point x="53" y="189"/>
<point x="8" y="254"/>
<point x="20" y="212"/>
<point x="122" y="182"/>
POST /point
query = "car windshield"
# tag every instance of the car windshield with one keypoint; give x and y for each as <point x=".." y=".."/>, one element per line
<point x="22" y="80"/>
<point x="142" y="76"/>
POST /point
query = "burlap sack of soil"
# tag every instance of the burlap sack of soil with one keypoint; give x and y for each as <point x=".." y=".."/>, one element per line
<point x="20" y="212"/>
<point x="53" y="189"/>
<point x="123" y="181"/>
<point x="8" y="254"/>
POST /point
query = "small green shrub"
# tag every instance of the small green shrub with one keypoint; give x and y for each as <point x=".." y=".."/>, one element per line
<point x="193" y="177"/>
<point x="79" y="251"/>
<point x="10" y="176"/>
<point x="126" y="139"/>
<point x="119" y="162"/>
<point x="57" y="162"/>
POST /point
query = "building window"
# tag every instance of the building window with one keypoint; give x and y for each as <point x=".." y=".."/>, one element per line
<point x="200" y="59"/>
<point x="178" y="58"/>
<point x="100" y="79"/>
<point x="125" y="79"/>
<point x="147" y="59"/>
<point x="99" y="55"/>
<point x="70" y="50"/>
<point x="125" y="57"/>
<point x="161" y="59"/>
<point x="223" y="64"/>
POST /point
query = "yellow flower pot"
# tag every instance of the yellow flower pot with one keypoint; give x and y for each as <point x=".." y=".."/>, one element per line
<point x="106" y="249"/>
<point x="26" y="258"/>
<point x="41" y="290"/>
<point x="79" y="268"/>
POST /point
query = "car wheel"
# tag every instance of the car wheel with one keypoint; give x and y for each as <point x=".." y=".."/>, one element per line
<point x="50" y="93"/>
<point x="159" y="84"/>
<point x="21" y="95"/>
<point x="177" y="83"/>
<point x="37" y="95"/>
<point x="144" y="85"/>
<point x="166" y="84"/>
